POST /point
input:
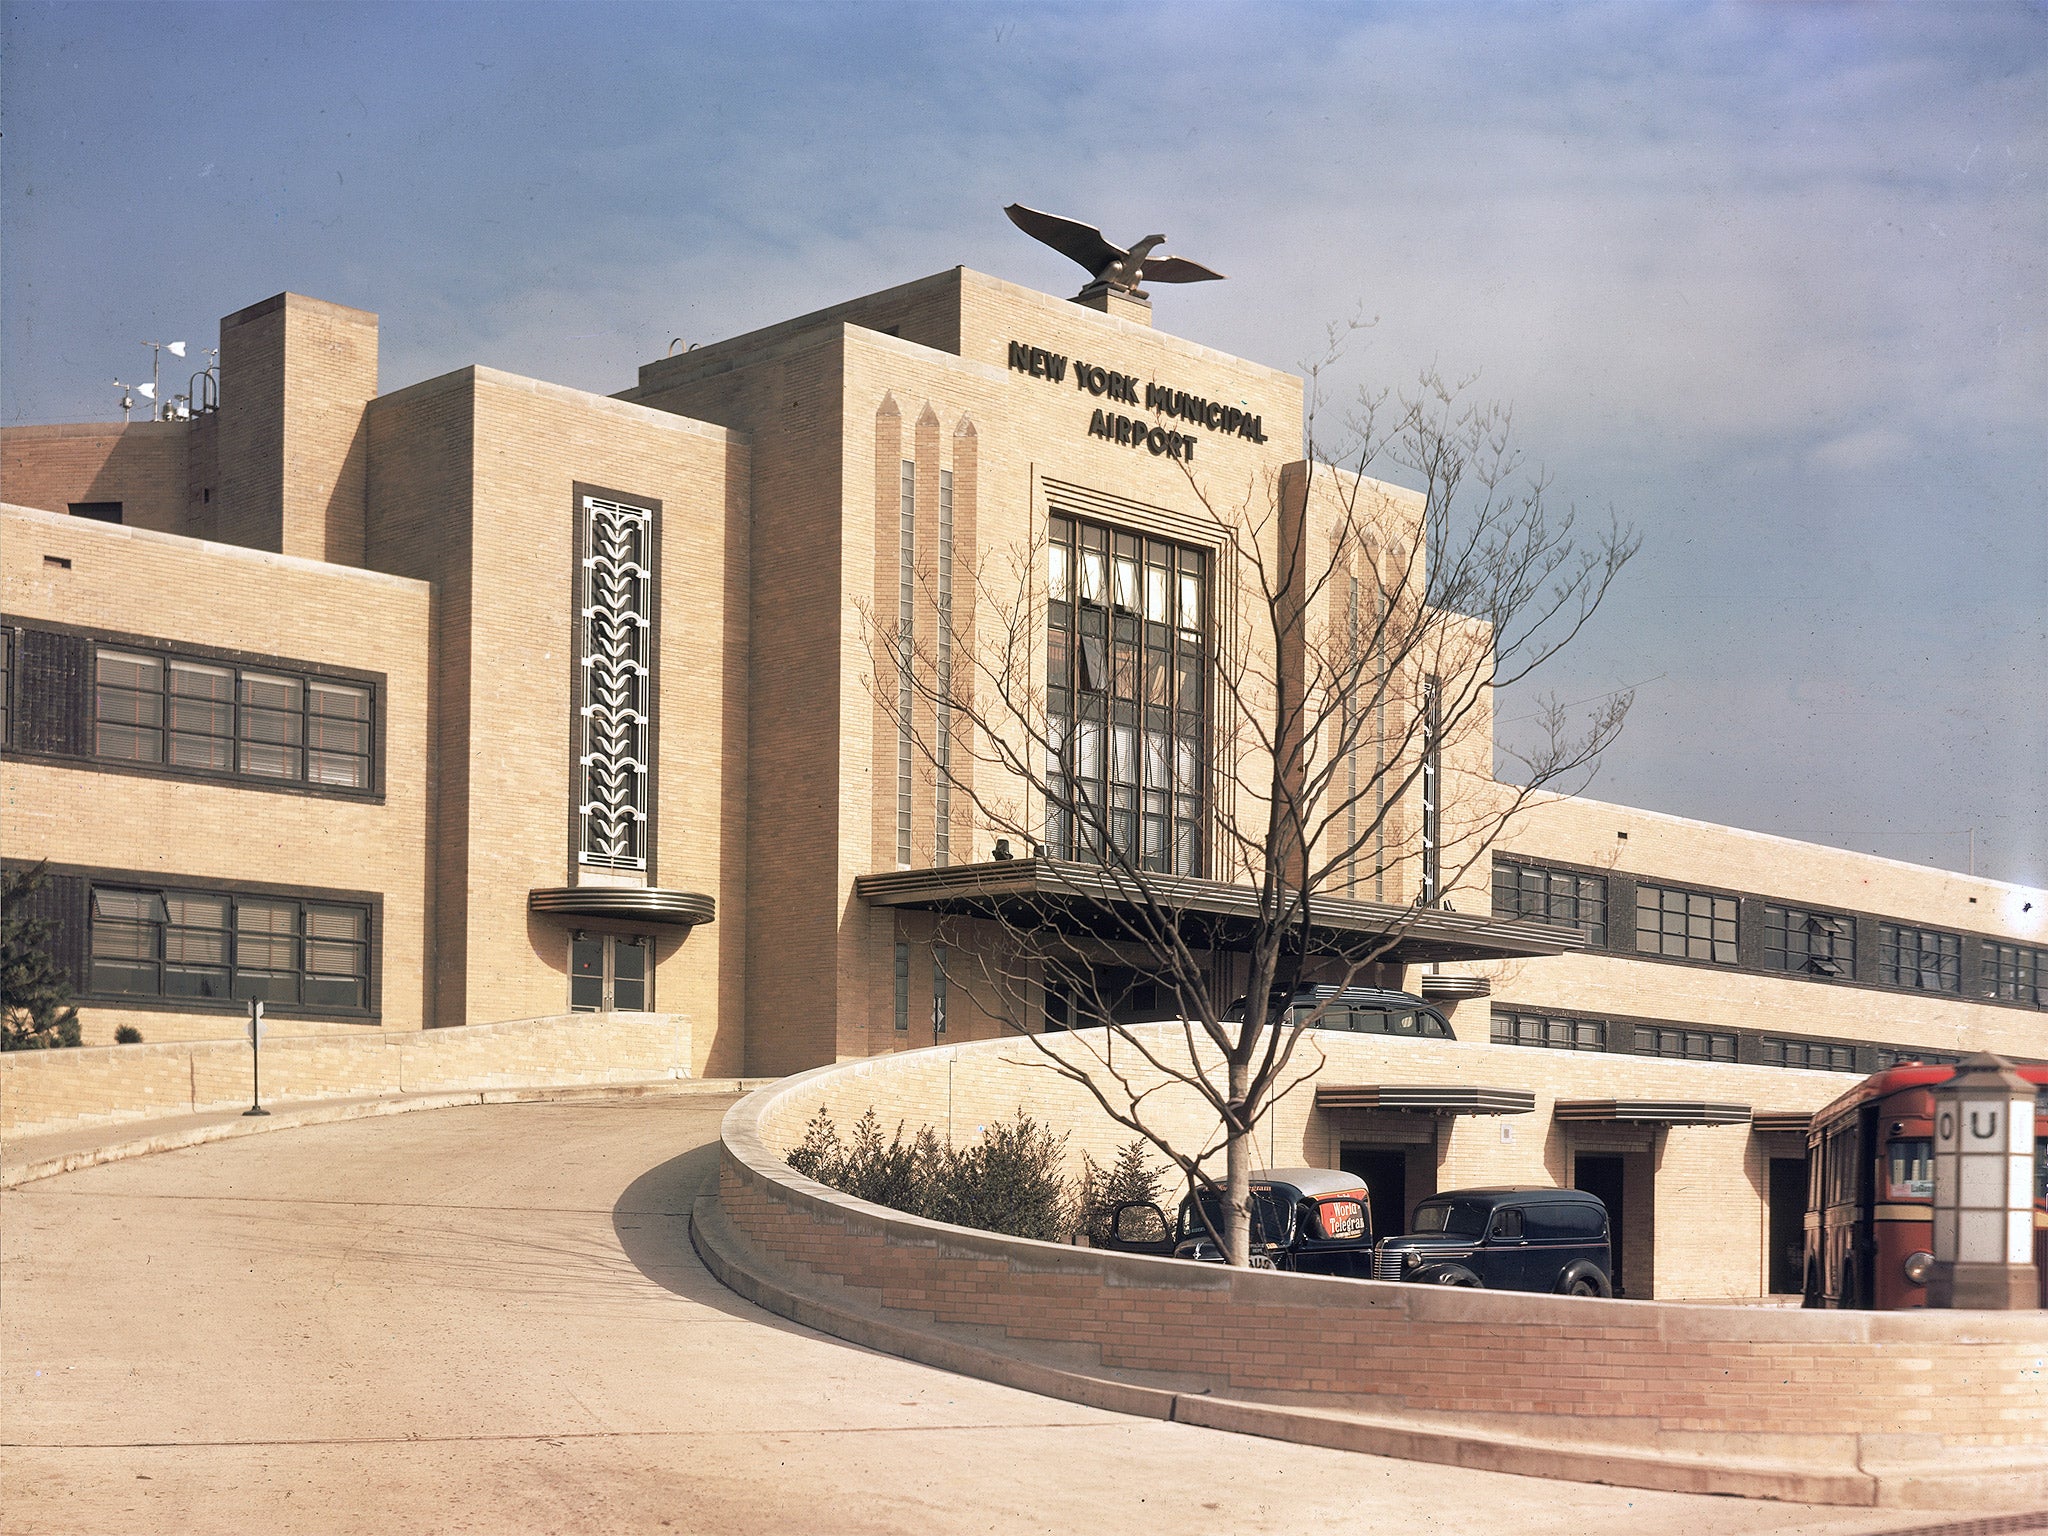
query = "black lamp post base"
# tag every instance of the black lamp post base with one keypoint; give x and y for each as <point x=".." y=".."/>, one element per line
<point x="254" y="1110"/>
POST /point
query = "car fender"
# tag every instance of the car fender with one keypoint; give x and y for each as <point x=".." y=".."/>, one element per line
<point x="1447" y="1274"/>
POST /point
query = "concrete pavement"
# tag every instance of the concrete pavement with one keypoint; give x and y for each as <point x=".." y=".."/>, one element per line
<point x="490" y="1319"/>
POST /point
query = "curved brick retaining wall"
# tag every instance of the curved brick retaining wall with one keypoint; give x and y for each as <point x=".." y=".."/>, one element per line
<point x="1921" y="1408"/>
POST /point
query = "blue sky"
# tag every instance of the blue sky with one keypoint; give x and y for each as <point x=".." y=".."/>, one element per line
<point x="1766" y="279"/>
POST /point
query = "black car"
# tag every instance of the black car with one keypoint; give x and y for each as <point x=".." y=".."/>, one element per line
<point x="1365" y="1011"/>
<point x="1522" y="1239"/>
<point x="1314" y="1220"/>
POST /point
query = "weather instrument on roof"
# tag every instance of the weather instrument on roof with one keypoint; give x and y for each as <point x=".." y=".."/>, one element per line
<point x="1111" y="266"/>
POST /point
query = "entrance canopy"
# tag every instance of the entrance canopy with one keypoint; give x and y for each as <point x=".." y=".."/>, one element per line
<point x="1651" y="1112"/>
<point x="1087" y="899"/>
<point x="1442" y="1100"/>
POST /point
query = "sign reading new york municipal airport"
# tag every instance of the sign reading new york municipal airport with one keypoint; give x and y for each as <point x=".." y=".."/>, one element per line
<point x="1136" y="432"/>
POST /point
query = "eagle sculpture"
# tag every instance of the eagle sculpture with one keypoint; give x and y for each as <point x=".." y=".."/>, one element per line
<point x="1109" y="264"/>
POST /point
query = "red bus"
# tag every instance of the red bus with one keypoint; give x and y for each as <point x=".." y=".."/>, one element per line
<point x="1870" y="1191"/>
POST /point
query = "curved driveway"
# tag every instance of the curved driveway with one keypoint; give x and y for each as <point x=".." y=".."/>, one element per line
<point x="490" y="1319"/>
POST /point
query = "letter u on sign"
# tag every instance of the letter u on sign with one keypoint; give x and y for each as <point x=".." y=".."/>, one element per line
<point x="1987" y="1123"/>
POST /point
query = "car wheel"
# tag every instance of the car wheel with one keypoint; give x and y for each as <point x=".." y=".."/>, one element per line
<point x="1585" y="1280"/>
<point x="1460" y="1277"/>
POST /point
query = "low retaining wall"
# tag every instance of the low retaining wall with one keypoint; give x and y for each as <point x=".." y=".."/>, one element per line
<point x="1912" y="1408"/>
<point x="43" y="1091"/>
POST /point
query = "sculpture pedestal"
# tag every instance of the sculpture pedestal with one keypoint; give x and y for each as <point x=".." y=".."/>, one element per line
<point x="1120" y="302"/>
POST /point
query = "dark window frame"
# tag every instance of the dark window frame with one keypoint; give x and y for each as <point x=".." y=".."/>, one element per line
<point x="1808" y="1055"/>
<point x="1894" y="955"/>
<point x="1677" y="1042"/>
<point x="2013" y="973"/>
<point x="1584" y="906"/>
<point x="1544" y="1030"/>
<point x="1128" y="692"/>
<point x="1657" y="892"/>
<point x="1809" y="941"/>
<point x="370" y="903"/>
<point x="80" y="752"/>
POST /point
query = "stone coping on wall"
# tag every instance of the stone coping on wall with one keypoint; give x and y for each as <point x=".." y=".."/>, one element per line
<point x="1923" y="1409"/>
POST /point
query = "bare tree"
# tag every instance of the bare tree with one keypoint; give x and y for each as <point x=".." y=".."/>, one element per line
<point x="1337" y="642"/>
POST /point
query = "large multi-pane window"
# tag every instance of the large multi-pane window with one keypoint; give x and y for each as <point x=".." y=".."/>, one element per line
<point x="246" y="722"/>
<point x="1919" y="957"/>
<point x="2016" y="973"/>
<point x="1126" y="683"/>
<point x="1512" y="1028"/>
<point x="1814" y="1055"/>
<point x="1551" y="896"/>
<point x="1809" y="943"/>
<point x="1688" y="925"/>
<point x="1685" y="1044"/>
<point x="1890" y="1057"/>
<point x="222" y="946"/>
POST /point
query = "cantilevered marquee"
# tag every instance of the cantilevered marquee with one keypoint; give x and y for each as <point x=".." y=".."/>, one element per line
<point x="1088" y="899"/>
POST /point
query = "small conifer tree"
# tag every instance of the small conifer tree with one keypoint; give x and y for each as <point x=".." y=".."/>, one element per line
<point x="34" y="991"/>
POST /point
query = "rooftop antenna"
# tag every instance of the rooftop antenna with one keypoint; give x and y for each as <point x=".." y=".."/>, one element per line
<point x="127" y="401"/>
<point x="149" y="391"/>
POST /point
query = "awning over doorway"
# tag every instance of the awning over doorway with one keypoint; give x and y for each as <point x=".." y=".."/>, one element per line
<point x="627" y="903"/>
<point x="1651" y="1112"/>
<point x="1087" y="899"/>
<point x="1426" y="1099"/>
<point x="1790" y="1121"/>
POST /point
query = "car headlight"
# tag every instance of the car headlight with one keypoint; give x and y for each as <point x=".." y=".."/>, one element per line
<point x="1411" y="1260"/>
<point x="1918" y="1267"/>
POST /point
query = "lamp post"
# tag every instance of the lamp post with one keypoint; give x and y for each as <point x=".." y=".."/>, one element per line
<point x="1984" y="1189"/>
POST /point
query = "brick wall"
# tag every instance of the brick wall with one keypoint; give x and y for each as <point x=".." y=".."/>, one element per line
<point x="1940" y="1392"/>
<point x="1696" y="1222"/>
<point x="143" y="466"/>
<point x="296" y="374"/>
<point x="179" y="591"/>
<point x="45" y="1091"/>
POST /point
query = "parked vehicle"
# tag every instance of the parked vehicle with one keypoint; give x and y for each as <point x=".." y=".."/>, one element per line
<point x="1365" y="1011"/>
<point x="1517" y="1239"/>
<point x="1313" y="1220"/>
<point x="1870" y="1191"/>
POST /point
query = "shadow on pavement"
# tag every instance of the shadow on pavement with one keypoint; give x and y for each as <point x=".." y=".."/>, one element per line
<point x="652" y="1222"/>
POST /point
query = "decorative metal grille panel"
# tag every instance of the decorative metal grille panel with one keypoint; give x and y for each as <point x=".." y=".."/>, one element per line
<point x="618" y="606"/>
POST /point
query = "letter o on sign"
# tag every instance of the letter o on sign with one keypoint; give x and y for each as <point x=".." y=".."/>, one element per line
<point x="1155" y="441"/>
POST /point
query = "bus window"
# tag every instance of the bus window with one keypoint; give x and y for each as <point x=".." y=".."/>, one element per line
<point x="1912" y="1170"/>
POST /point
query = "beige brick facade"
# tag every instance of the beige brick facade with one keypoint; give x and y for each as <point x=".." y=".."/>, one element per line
<point x="431" y="538"/>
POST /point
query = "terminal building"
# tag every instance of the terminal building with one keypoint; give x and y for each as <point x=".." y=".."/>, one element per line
<point x="487" y="698"/>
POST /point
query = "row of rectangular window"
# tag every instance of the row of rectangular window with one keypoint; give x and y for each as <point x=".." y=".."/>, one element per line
<point x="1700" y="925"/>
<point x="217" y="719"/>
<point x="1550" y="1032"/>
<point x="218" y="946"/>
